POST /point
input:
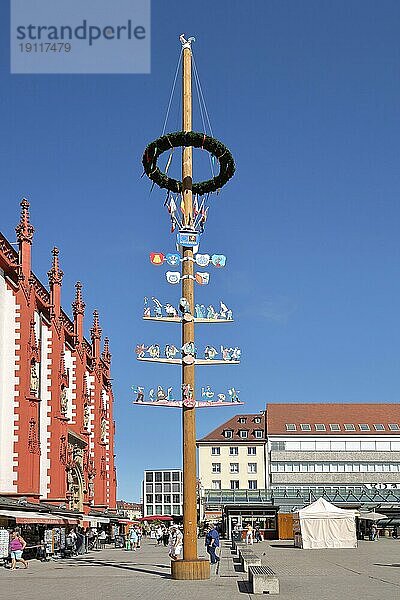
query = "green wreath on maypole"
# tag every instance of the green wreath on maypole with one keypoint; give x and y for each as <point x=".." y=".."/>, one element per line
<point x="196" y="140"/>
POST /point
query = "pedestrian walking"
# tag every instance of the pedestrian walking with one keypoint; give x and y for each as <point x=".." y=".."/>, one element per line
<point x="249" y="534"/>
<point x="80" y="541"/>
<point x="175" y="544"/>
<point x="139" y="537"/>
<point x="71" y="541"/>
<point x="133" y="538"/>
<point x="17" y="546"/>
<point x="165" y="537"/>
<point x="102" y="538"/>
<point x="257" y="534"/>
<point x="159" y="535"/>
<point x="212" y="543"/>
<point x="374" y="532"/>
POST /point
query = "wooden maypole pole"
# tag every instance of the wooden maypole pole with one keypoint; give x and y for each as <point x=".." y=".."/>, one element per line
<point x="190" y="567"/>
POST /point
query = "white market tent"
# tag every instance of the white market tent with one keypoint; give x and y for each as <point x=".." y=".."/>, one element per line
<point x="323" y="525"/>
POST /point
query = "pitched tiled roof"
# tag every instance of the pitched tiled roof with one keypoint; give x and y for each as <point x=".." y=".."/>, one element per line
<point x="235" y="426"/>
<point x="367" y="419"/>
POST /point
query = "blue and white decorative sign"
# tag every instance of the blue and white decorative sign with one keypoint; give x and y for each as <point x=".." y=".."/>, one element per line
<point x="173" y="277"/>
<point x="218" y="260"/>
<point x="188" y="239"/>
<point x="203" y="260"/>
<point x="202" y="278"/>
<point x="173" y="259"/>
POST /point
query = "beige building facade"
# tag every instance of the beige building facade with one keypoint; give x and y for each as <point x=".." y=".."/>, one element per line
<point x="232" y="457"/>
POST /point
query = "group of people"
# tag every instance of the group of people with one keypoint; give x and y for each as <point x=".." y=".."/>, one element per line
<point x="171" y="537"/>
<point x="162" y="535"/>
<point x="79" y="540"/>
<point x="253" y="535"/>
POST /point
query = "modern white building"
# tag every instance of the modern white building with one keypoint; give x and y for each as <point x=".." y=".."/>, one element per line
<point x="331" y="445"/>
<point x="163" y="492"/>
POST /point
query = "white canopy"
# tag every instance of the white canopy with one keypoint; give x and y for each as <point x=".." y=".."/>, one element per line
<point x="322" y="509"/>
<point x="372" y="516"/>
<point x="324" y="525"/>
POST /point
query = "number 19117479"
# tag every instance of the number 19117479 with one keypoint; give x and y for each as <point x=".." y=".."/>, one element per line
<point x="45" y="47"/>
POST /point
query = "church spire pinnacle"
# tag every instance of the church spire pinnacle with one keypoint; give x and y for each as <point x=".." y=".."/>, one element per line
<point x="78" y="305"/>
<point x="55" y="276"/>
<point x="106" y="355"/>
<point x="96" y="332"/>
<point x="78" y="309"/>
<point x="24" y="231"/>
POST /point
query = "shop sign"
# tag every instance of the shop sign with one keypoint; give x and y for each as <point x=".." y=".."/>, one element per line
<point x="382" y="486"/>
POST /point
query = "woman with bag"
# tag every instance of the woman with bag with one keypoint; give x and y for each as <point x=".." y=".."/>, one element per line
<point x="17" y="545"/>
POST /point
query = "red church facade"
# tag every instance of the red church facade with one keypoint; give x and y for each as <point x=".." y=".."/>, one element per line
<point x="56" y="398"/>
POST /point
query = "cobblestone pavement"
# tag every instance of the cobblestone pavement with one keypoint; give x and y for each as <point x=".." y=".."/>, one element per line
<point x="370" y="572"/>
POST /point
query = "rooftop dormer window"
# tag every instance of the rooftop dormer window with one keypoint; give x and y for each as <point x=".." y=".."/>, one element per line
<point x="364" y="426"/>
<point x="349" y="427"/>
<point x="320" y="427"/>
<point x="290" y="427"/>
<point x="305" y="426"/>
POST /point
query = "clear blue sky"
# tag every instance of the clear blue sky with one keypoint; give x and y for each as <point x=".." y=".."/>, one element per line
<point x="306" y="96"/>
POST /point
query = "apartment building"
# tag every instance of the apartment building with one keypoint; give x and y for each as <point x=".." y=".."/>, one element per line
<point x="232" y="456"/>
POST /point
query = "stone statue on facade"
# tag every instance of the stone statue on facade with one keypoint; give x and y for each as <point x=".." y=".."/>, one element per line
<point x="86" y="415"/>
<point x="64" y="401"/>
<point x="34" y="380"/>
<point x="103" y="427"/>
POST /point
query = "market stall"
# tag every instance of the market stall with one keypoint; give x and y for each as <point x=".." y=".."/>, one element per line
<point x="324" y="525"/>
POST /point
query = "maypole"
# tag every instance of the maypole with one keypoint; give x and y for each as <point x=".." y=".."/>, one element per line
<point x="188" y="381"/>
<point x="190" y="227"/>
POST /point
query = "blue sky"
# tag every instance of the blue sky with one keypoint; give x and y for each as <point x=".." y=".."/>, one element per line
<point x="306" y="96"/>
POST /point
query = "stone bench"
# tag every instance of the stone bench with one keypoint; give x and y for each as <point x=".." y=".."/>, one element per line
<point x="250" y="560"/>
<point x="244" y="552"/>
<point x="238" y="547"/>
<point x="263" y="579"/>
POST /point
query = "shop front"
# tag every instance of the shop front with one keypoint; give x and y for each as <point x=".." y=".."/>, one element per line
<point x="236" y="519"/>
<point x="44" y="533"/>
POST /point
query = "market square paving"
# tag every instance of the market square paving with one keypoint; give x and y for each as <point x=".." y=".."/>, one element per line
<point x="371" y="572"/>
